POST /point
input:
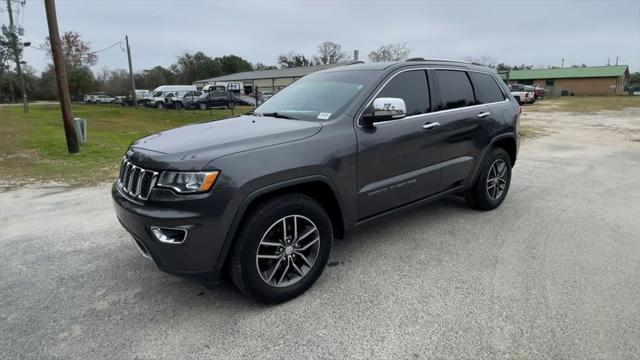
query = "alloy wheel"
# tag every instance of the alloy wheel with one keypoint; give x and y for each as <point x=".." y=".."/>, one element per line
<point x="288" y="250"/>
<point x="496" y="180"/>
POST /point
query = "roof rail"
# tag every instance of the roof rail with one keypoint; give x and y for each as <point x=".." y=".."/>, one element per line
<point x="354" y="62"/>
<point x="443" y="60"/>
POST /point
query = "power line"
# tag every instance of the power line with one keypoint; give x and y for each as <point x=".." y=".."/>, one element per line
<point x="119" y="42"/>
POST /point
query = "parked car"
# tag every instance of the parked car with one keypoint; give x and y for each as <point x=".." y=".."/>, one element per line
<point x="178" y="100"/>
<point x="141" y="97"/>
<point x="88" y="98"/>
<point x="522" y="95"/>
<point x="538" y="92"/>
<point x="119" y="99"/>
<point x="157" y="99"/>
<point x="216" y="98"/>
<point x="265" y="95"/>
<point x="103" y="99"/>
<point x="263" y="195"/>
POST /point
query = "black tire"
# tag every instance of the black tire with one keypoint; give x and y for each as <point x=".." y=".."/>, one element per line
<point x="160" y="105"/>
<point x="231" y="105"/>
<point x="243" y="264"/>
<point x="177" y="105"/>
<point x="203" y="106"/>
<point x="482" y="195"/>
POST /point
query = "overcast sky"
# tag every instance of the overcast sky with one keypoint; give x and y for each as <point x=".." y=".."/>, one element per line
<point x="529" y="32"/>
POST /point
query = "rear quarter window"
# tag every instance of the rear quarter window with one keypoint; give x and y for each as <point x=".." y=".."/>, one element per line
<point x="456" y="90"/>
<point x="487" y="89"/>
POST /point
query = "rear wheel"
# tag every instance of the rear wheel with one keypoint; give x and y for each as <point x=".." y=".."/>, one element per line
<point x="492" y="184"/>
<point x="160" y="105"/>
<point x="281" y="249"/>
<point x="203" y="106"/>
<point x="231" y="105"/>
<point x="177" y="105"/>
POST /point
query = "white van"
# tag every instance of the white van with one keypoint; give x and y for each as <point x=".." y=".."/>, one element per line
<point x="157" y="99"/>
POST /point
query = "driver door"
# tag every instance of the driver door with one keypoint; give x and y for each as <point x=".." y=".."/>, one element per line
<point x="398" y="160"/>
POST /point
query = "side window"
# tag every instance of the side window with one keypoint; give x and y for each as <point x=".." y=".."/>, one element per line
<point x="487" y="90"/>
<point x="410" y="86"/>
<point x="455" y="89"/>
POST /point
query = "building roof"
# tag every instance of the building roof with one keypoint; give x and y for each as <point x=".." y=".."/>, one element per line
<point x="270" y="74"/>
<point x="566" y="73"/>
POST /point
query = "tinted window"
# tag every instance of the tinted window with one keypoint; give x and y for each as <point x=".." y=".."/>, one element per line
<point x="455" y="89"/>
<point x="319" y="96"/>
<point x="487" y="90"/>
<point x="410" y="86"/>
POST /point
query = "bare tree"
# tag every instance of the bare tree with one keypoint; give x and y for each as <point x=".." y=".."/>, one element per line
<point x="77" y="52"/>
<point x="390" y="52"/>
<point x="330" y="53"/>
<point x="487" y="60"/>
<point x="293" y="59"/>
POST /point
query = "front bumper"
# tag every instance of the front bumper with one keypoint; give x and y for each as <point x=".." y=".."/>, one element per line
<point x="204" y="218"/>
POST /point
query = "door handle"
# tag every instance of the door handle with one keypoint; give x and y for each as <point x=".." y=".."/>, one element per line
<point x="484" y="114"/>
<point x="430" y="125"/>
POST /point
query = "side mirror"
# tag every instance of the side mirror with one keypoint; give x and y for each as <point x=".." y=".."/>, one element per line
<point x="384" y="109"/>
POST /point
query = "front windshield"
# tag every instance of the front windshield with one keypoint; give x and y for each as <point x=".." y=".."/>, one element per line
<point x="319" y="96"/>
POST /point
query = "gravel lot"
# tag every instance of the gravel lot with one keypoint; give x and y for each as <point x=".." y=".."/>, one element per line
<point x="553" y="273"/>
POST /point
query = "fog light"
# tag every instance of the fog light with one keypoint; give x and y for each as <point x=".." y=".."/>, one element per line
<point x="169" y="235"/>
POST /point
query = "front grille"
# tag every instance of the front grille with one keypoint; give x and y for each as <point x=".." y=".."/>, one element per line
<point x="136" y="181"/>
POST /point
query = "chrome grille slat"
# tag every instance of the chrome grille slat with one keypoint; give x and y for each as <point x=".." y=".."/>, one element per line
<point x="136" y="181"/>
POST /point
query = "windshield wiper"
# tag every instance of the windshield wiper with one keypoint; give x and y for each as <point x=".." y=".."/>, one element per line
<point x="277" y="115"/>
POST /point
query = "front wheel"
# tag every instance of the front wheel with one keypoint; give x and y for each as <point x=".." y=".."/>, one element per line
<point x="203" y="106"/>
<point x="160" y="105"/>
<point x="281" y="249"/>
<point x="492" y="184"/>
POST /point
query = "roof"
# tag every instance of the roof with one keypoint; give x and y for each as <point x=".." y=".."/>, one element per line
<point x="566" y="73"/>
<point x="270" y="74"/>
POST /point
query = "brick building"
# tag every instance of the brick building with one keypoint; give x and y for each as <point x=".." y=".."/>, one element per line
<point x="591" y="80"/>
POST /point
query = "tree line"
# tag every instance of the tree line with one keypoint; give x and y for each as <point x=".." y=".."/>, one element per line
<point x="188" y="67"/>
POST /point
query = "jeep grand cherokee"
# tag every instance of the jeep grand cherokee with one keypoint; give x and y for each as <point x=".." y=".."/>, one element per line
<point x="262" y="195"/>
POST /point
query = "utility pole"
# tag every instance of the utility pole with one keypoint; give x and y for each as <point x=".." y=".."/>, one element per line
<point x="16" y="53"/>
<point x="61" y="77"/>
<point x="562" y="66"/>
<point x="133" y="83"/>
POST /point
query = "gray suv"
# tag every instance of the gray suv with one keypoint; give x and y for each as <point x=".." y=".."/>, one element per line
<point x="261" y="196"/>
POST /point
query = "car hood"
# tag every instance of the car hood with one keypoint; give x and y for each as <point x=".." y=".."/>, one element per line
<point x="192" y="147"/>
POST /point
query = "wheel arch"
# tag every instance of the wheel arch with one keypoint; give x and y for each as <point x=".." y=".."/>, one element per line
<point x="318" y="187"/>
<point x="507" y="142"/>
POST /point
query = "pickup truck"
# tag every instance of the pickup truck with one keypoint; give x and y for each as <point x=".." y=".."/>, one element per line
<point x="522" y="95"/>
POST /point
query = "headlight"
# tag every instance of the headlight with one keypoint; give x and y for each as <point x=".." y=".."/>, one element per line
<point x="187" y="182"/>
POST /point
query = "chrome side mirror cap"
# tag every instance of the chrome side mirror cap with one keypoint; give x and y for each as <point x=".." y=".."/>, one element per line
<point x="385" y="109"/>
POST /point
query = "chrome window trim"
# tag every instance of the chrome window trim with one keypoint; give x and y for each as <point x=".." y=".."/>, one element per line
<point x="433" y="112"/>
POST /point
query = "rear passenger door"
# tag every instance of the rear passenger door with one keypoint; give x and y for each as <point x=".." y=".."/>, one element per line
<point x="460" y="118"/>
<point x="398" y="159"/>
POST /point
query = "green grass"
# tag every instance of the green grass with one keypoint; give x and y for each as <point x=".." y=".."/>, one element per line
<point x="584" y="104"/>
<point x="33" y="146"/>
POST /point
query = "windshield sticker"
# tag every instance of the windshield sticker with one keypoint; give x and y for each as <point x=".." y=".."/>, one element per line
<point x="324" y="116"/>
